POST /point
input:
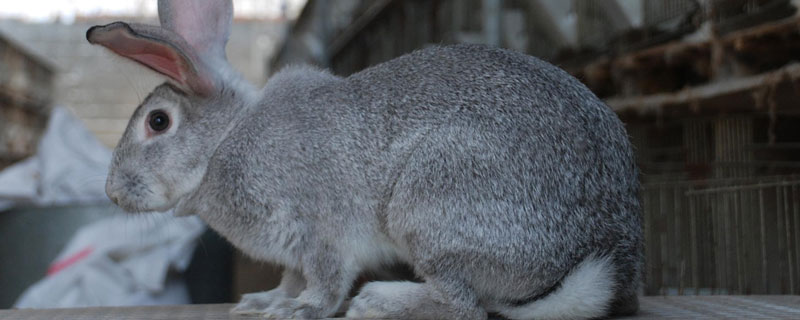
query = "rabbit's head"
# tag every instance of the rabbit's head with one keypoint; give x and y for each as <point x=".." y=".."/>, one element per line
<point x="164" y="151"/>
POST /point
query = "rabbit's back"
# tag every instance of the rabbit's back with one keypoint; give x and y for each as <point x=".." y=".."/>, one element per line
<point x="515" y="114"/>
<point x="526" y="104"/>
<point x="506" y="155"/>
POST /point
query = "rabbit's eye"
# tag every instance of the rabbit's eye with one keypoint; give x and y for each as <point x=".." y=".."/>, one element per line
<point x="159" y="120"/>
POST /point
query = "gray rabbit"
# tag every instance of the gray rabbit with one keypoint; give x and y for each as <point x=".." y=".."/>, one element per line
<point x="504" y="183"/>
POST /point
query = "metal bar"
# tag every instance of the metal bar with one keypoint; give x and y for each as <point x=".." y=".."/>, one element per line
<point x="763" y="239"/>
<point x="745" y="187"/>
<point x="796" y="216"/>
<point x="491" y="22"/>
<point x="737" y="215"/>
<point x="712" y="260"/>
<point x="664" y="242"/>
<point x="788" y="240"/>
<point x="695" y="243"/>
<point x="721" y="181"/>
<point x="779" y="210"/>
<point x="728" y="264"/>
<point x="678" y="236"/>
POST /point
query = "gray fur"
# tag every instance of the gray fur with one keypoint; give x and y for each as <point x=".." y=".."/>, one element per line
<point x="492" y="173"/>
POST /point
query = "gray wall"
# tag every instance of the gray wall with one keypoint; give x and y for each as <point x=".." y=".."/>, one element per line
<point x="104" y="90"/>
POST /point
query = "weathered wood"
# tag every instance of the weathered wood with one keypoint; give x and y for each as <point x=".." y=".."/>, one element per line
<point x="26" y="91"/>
<point x="655" y="103"/>
<point x="654" y="307"/>
<point x="674" y="65"/>
<point x="347" y="35"/>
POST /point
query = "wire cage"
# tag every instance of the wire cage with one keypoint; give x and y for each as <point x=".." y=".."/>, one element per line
<point x="723" y="236"/>
<point x="730" y="15"/>
<point x="603" y="25"/>
<point x="599" y="22"/>
<point x="721" y="200"/>
<point x="630" y="25"/>
<point x="660" y="12"/>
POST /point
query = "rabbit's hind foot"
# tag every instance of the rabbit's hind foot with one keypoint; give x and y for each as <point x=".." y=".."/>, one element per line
<point x="409" y="300"/>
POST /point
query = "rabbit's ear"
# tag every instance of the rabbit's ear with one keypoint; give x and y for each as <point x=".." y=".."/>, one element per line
<point x="205" y="25"/>
<point x="159" y="49"/>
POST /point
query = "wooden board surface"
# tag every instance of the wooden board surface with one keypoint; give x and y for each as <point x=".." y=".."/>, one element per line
<point x="671" y="307"/>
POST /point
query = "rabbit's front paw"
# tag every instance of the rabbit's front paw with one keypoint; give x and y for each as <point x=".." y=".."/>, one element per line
<point x="256" y="303"/>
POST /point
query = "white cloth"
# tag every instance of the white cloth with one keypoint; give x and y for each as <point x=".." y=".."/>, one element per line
<point x="120" y="260"/>
<point x="70" y="167"/>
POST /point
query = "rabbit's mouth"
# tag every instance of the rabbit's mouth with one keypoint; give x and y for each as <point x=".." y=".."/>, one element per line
<point x="128" y="206"/>
<point x="134" y="204"/>
<point x="131" y="194"/>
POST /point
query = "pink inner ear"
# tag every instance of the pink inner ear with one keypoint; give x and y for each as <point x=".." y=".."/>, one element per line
<point x="167" y="64"/>
<point x="156" y="48"/>
<point x="152" y="53"/>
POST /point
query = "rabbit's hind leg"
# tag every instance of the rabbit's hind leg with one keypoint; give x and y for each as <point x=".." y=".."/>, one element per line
<point x="412" y="300"/>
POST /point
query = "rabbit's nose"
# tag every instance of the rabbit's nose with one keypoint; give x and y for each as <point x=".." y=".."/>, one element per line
<point x="111" y="190"/>
<point x="113" y="197"/>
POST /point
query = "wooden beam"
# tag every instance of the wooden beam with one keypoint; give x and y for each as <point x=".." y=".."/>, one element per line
<point x="671" y="66"/>
<point x="342" y="39"/>
<point x="652" y="307"/>
<point x="653" y="103"/>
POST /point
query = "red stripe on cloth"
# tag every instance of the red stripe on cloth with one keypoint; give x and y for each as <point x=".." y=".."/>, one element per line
<point x="68" y="261"/>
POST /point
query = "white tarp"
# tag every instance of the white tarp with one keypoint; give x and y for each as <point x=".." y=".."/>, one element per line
<point x="115" y="261"/>
<point x="119" y="261"/>
<point x="70" y="167"/>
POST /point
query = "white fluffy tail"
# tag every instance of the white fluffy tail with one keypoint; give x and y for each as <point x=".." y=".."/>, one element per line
<point x="586" y="292"/>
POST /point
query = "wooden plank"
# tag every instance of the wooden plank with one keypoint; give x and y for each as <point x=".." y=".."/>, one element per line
<point x="347" y="35"/>
<point x="653" y="307"/>
<point x="680" y="63"/>
<point x="651" y="104"/>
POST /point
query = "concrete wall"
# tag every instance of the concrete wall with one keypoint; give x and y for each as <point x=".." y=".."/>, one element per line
<point x="104" y="90"/>
<point x="26" y="92"/>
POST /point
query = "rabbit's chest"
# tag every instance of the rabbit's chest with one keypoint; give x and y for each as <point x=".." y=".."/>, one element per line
<point x="270" y="239"/>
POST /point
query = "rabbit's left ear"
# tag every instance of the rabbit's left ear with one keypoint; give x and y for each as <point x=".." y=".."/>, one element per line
<point x="158" y="49"/>
<point x="204" y="24"/>
<point x="189" y="47"/>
